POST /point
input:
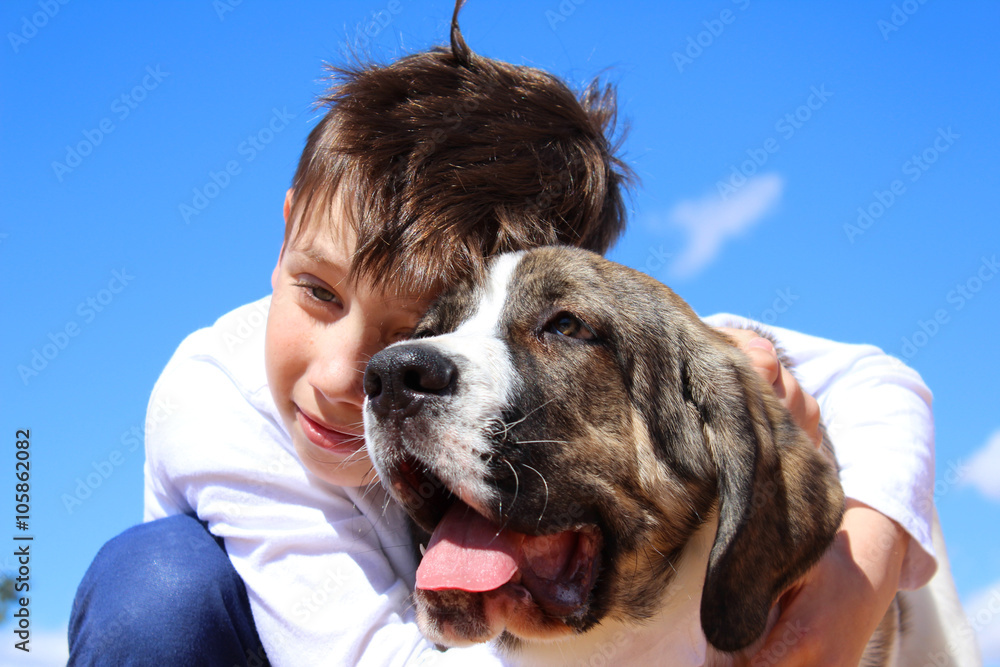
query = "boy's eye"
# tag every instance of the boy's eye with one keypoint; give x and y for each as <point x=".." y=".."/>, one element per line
<point x="318" y="292"/>
<point x="322" y="293"/>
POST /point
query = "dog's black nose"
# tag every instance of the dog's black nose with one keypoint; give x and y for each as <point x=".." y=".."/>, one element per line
<point x="401" y="378"/>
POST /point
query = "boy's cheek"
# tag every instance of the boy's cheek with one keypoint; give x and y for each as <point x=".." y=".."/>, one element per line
<point x="277" y="367"/>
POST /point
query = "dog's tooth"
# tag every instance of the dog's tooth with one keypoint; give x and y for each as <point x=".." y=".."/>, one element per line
<point x="423" y="549"/>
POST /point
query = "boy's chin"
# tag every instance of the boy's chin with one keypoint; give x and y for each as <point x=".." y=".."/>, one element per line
<point x="355" y="471"/>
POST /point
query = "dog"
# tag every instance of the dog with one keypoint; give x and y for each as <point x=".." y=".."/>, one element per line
<point x="595" y="471"/>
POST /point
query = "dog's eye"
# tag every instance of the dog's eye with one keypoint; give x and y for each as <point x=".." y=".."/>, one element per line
<point x="566" y="324"/>
<point x="422" y="332"/>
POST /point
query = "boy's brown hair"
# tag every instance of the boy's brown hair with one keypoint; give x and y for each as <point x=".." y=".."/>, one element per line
<point x="445" y="158"/>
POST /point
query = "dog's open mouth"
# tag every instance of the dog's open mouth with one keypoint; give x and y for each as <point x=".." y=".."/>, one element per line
<point x="470" y="553"/>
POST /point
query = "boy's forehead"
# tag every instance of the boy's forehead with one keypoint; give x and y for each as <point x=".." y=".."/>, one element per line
<point x="326" y="231"/>
<point x="326" y="226"/>
<point x="334" y="249"/>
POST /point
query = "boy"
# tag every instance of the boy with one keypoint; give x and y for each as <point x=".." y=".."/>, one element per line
<point x="419" y="171"/>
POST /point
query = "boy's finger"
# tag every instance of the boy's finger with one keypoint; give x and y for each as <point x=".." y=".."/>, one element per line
<point x="760" y="351"/>
<point x="764" y="358"/>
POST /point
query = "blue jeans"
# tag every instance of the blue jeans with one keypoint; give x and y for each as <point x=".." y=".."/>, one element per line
<point x="163" y="593"/>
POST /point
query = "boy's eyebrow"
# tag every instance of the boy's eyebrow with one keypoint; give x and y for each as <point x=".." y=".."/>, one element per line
<point x="319" y="258"/>
<point x="415" y="304"/>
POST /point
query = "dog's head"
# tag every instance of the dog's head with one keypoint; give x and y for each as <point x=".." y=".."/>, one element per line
<point x="562" y="430"/>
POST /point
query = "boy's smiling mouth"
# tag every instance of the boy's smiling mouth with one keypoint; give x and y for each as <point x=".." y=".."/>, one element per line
<point x="327" y="438"/>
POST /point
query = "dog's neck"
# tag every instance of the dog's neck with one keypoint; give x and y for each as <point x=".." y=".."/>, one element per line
<point x="674" y="633"/>
<point x="673" y="636"/>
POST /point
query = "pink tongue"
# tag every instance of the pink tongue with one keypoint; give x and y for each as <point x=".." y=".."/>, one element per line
<point x="469" y="553"/>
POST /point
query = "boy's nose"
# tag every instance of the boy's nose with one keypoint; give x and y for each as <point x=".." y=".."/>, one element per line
<point x="338" y="370"/>
<point x="401" y="379"/>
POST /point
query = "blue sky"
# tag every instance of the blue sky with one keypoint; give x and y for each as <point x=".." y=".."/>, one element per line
<point x="827" y="167"/>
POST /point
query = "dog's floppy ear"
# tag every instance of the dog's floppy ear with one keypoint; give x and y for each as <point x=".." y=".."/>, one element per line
<point x="779" y="501"/>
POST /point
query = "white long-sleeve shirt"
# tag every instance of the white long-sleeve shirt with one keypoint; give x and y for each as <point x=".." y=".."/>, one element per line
<point x="329" y="569"/>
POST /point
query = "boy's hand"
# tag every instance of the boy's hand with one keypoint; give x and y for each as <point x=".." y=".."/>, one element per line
<point x="804" y="408"/>
<point x="828" y="616"/>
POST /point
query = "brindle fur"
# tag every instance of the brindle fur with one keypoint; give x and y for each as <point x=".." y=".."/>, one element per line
<point x="646" y="432"/>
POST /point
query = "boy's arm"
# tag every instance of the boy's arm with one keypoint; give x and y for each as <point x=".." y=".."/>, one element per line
<point x="160" y="497"/>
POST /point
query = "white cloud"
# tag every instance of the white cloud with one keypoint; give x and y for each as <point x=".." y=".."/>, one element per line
<point x="983" y="611"/>
<point x="982" y="470"/>
<point x="710" y="221"/>
<point x="48" y="648"/>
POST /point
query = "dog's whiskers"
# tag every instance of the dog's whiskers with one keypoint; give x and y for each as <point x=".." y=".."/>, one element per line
<point x="538" y="442"/>
<point x="505" y="427"/>
<point x="354" y="457"/>
<point x="542" y="477"/>
<point x="517" y="487"/>
<point x="533" y="411"/>
<point x="372" y="487"/>
<point x="499" y="497"/>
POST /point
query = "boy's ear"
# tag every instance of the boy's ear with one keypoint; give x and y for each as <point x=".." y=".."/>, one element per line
<point x="287" y="210"/>
<point x="277" y="270"/>
<point x="288" y="205"/>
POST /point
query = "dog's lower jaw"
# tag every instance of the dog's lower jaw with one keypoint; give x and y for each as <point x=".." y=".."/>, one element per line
<point x="458" y="618"/>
